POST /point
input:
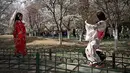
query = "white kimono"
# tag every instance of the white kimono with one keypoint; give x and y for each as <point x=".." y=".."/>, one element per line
<point x="92" y="37"/>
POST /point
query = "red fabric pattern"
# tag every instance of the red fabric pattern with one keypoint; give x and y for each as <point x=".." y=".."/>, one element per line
<point x="20" y="38"/>
<point x="100" y="34"/>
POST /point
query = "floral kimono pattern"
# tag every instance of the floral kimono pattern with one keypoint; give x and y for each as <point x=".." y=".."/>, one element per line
<point x="20" y="38"/>
<point x="94" y="34"/>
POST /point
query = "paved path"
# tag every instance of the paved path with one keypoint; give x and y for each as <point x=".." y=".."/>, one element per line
<point x="12" y="64"/>
<point x="29" y="66"/>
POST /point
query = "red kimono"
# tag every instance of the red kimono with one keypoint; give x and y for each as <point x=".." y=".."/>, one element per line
<point x="20" y="38"/>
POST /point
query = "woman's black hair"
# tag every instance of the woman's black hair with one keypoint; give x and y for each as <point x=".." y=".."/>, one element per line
<point x="101" y="15"/>
<point x="17" y="17"/>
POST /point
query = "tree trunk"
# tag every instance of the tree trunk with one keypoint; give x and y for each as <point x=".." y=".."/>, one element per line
<point x="80" y="38"/>
<point x="80" y="35"/>
<point x="30" y="34"/>
<point x="68" y="34"/>
<point x="60" y="38"/>
<point x="34" y="33"/>
<point x="115" y="34"/>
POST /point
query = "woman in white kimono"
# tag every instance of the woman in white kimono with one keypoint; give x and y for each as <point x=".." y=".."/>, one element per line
<point x="94" y="34"/>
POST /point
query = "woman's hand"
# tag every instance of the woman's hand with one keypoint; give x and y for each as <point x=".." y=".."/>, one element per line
<point x="85" y="21"/>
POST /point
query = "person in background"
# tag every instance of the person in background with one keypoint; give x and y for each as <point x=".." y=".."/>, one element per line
<point x="94" y="34"/>
<point x="19" y="34"/>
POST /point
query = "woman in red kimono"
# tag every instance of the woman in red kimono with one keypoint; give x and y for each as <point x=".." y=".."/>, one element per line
<point x="19" y="34"/>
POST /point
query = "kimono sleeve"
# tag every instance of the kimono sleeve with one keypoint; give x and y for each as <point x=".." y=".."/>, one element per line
<point x="101" y="25"/>
<point x="90" y="25"/>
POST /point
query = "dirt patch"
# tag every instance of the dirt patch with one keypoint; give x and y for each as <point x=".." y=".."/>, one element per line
<point x="7" y="41"/>
<point x="6" y="36"/>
